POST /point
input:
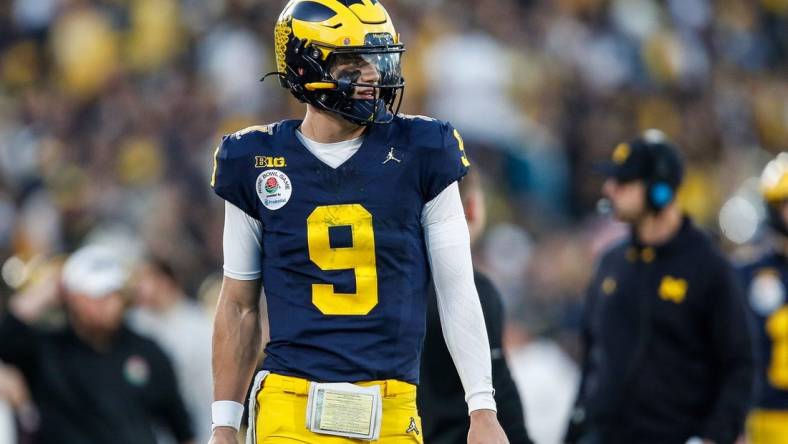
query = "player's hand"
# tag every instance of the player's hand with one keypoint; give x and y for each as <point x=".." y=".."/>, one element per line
<point x="44" y="293"/>
<point x="485" y="428"/>
<point x="224" y="435"/>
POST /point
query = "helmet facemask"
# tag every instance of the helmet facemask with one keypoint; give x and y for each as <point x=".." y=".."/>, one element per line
<point x="367" y="86"/>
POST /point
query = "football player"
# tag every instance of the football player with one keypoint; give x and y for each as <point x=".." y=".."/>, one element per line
<point x="766" y="280"/>
<point x="341" y="218"/>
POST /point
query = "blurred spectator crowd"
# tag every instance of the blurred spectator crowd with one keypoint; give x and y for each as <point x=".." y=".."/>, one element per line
<point x="110" y="110"/>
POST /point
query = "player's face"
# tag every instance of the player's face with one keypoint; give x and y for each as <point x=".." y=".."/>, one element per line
<point x="627" y="198"/>
<point x="100" y="315"/>
<point x="358" y="70"/>
<point x="380" y="69"/>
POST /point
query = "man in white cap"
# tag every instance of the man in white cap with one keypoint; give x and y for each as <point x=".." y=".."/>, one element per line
<point x="95" y="381"/>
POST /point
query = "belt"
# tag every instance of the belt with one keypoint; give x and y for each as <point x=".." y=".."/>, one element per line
<point x="300" y="386"/>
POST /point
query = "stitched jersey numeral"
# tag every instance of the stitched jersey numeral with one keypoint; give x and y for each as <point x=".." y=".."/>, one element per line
<point x="360" y="257"/>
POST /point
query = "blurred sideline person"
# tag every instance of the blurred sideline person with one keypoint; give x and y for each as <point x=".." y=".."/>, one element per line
<point x="342" y="217"/>
<point x="766" y="280"/>
<point x="667" y="352"/>
<point x="95" y="382"/>
<point x="182" y="329"/>
<point x="440" y="395"/>
<point x="546" y="376"/>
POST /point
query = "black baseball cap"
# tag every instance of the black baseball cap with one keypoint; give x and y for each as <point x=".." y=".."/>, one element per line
<point x="649" y="157"/>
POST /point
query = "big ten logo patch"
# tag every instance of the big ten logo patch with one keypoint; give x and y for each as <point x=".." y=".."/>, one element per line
<point x="269" y="162"/>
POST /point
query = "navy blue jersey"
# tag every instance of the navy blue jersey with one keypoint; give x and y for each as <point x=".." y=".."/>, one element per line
<point x="766" y="281"/>
<point x="344" y="263"/>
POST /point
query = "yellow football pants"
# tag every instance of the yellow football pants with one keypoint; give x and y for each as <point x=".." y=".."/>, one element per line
<point x="281" y="413"/>
<point x="767" y="427"/>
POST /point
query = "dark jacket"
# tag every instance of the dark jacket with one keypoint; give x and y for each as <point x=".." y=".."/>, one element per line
<point x="90" y="397"/>
<point x="440" y="396"/>
<point x="668" y="352"/>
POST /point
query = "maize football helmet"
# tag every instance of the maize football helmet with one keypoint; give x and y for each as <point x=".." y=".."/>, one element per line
<point x="774" y="189"/>
<point x="329" y="50"/>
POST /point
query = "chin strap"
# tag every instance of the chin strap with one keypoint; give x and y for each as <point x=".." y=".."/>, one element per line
<point x="366" y="112"/>
<point x="281" y="75"/>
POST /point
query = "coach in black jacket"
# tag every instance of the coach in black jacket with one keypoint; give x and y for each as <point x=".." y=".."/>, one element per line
<point x="96" y="381"/>
<point x="668" y="353"/>
<point x="440" y="394"/>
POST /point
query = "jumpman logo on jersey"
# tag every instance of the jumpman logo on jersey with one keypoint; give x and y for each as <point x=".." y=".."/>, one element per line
<point x="390" y="156"/>
<point x="412" y="427"/>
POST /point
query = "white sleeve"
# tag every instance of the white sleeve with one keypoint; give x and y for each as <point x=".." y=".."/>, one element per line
<point x="243" y="244"/>
<point x="462" y="320"/>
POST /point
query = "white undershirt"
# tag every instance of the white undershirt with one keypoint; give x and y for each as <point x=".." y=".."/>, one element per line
<point x="448" y="249"/>
<point x="331" y="154"/>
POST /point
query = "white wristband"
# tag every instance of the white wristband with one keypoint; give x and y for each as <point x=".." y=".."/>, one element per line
<point x="226" y="414"/>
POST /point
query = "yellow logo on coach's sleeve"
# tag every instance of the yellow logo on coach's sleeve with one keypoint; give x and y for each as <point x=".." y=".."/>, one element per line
<point x="269" y="162"/>
<point x="673" y="289"/>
